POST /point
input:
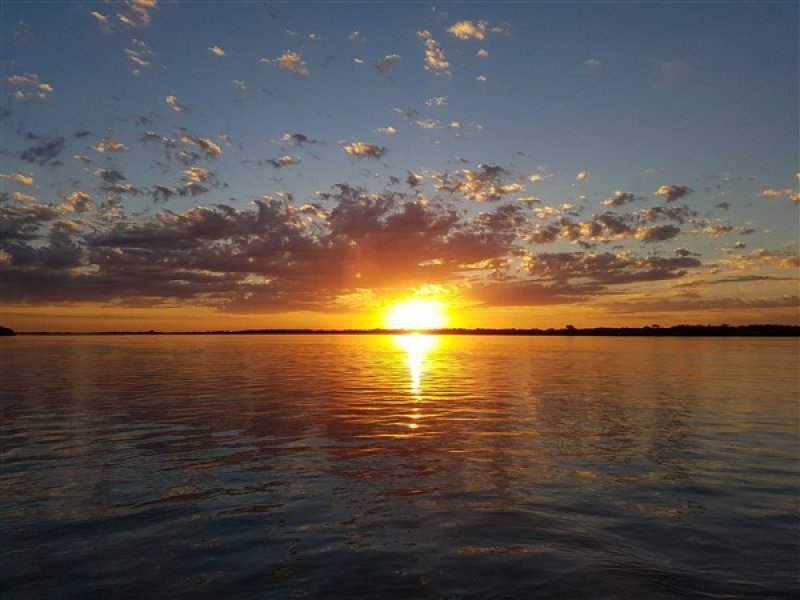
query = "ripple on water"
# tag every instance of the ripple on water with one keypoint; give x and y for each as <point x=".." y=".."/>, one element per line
<point x="367" y="466"/>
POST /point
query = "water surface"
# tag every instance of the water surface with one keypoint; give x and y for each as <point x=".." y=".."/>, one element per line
<point x="399" y="467"/>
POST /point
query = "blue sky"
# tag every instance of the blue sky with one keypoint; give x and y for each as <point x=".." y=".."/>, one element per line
<point x="702" y="97"/>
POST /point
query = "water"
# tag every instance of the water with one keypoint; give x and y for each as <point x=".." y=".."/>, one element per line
<point x="399" y="467"/>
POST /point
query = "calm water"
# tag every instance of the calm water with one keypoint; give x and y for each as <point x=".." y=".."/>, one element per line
<point x="399" y="467"/>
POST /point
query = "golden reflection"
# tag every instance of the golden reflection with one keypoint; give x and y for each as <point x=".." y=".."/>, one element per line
<point x="417" y="346"/>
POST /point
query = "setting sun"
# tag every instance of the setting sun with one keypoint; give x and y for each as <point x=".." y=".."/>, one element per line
<point x="416" y="315"/>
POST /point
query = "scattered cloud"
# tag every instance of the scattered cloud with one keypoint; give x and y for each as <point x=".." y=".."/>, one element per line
<point x="289" y="61"/>
<point x="45" y="152"/>
<point x="582" y="176"/>
<point x="363" y="149"/>
<point x="383" y="65"/>
<point x="673" y="192"/>
<point x="109" y="145"/>
<point x="467" y="30"/>
<point x="139" y="54"/>
<point x="206" y="145"/>
<point x="482" y="185"/>
<point x="297" y="139"/>
<point x="281" y="161"/>
<point x="28" y="86"/>
<point x="776" y="193"/>
<point x="619" y="198"/>
<point x="435" y="59"/>
<point x="20" y="178"/>
<point x="217" y="51"/>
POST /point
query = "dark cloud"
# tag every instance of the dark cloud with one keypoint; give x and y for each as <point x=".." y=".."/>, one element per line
<point x="607" y="268"/>
<point x="619" y="198"/>
<point x="45" y="151"/>
<point x="298" y="139"/>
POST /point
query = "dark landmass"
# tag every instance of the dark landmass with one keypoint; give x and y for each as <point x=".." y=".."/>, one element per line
<point x="652" y="331"/>
<point x="7" y="331"/>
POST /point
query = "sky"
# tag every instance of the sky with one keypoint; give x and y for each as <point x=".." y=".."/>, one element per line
<point x="209" y="165"/>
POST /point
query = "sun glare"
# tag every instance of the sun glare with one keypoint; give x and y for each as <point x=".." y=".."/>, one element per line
<point x="416" y="315"/>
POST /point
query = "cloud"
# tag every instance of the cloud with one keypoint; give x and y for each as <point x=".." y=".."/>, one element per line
<point x="764" y="258"/>
<point x="678" y="214"/>
<point x="102" y="20"/>
<point x="24" y="29"/>
<point x="658" y="233"/>
<point x="483" y="53"/>
<point x="435" y="59"/>
<point x="413" y="180"/>
<point x="281" y="161"/>
<point x="582" y="176"/>
<point x="467" y="30"/>
<point x="217" y="51"/>
<point x="210" y="148"/>
<point x="383" y="65"/>
<point x="172" y="101"/>
<point x="139" y="55"/>
<point x="673" y="306"/>
<point x="136" y="13"/>
<point x="79" y="202"/>
<point x="436" y="101"/>
<point x="20" y="178"/>
<point x="481" y="78"/>
<point x="363" y="149"/>
<point x="592" y="63"/>
<point x="427" y="124"/>
<point x="109" y="176"/>
<point x="775" y="193"/>
<point x="28" y="86"/>
<point x="45" y="152"/>
<point x="529" y="293"/>
<point x="387" y="130"/>
<point x="619" y="198"/>
<point x="606" y="268"/>
<point x="289" y="61"/>
<point x="22" y="197"/>
<point x="297" y="139"/>
<point x="483" y="185"/>
<point x="673" y="192"/>
<point x="109" y="145"/>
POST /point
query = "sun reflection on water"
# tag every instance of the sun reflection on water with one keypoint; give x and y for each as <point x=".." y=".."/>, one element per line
<point x="417" y="347"/>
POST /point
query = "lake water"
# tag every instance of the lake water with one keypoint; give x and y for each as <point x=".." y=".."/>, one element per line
<point x="399" y="467"/>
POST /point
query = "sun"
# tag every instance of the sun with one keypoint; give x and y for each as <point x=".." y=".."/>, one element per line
<point x="416" y="315"/>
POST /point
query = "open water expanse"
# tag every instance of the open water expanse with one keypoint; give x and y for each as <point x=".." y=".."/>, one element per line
<point x="399" y="467"/>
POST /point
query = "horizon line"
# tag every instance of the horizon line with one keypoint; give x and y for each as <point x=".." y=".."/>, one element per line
<point x="755" y="329"/>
